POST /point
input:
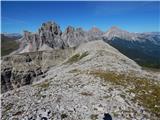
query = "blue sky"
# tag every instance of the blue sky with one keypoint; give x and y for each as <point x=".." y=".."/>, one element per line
<point x="131" y="16"/>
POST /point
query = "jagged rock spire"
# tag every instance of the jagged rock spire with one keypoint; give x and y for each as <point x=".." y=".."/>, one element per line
<point x="73" y="37"/>
<point x="48" y="37"/>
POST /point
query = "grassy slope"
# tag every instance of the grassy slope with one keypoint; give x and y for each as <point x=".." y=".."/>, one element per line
<point x="8" y="45"/>
<point x="147" y="92"/>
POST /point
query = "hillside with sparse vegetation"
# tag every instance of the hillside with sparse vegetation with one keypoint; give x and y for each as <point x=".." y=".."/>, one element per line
<point x="8" y="44"/>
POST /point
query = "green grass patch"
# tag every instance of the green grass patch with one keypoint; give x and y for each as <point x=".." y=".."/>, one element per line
<point x="43" y="85"/>
<point x="86" y="94"/>
<point x="77" y="57"/>
<point x="94" y="116"/>
<point x="8" y="45"/>
<point x="74" y="71"/>
<point x="147" y="92"/>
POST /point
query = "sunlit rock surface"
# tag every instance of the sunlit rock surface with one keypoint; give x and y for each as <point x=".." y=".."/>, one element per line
<point x="78" y="88"/>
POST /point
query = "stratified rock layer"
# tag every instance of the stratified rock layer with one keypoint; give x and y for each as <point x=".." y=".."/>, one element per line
<point x="22" y="69"/>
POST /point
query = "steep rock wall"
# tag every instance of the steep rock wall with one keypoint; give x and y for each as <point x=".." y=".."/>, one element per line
<point x="23" y="69"/>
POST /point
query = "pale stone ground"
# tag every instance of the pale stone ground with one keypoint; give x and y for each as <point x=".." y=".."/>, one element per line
<point x="69" y="92"/>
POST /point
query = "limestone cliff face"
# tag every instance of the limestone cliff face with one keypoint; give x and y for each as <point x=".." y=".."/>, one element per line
<point x="23" y="69"/>
<point x="48" y="37"/>
<point x="73" y="37"/>
<point x="50" y="34"/>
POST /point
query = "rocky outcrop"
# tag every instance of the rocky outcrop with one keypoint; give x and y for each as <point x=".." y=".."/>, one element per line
<point x="74" y="36"/>
<point x="50" y="36"/>
<point x="11" y="79"/>
<point x="23" y="69"/>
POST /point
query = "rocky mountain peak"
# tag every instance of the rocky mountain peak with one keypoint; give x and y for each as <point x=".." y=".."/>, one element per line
<point x="27" y="35"/>
<point x="114" y="32"/>
<point x="95" y="30"/>
<point x="79" y="29"/>
<point x="73" y="36"/>
<point x="115" y="28"/>
<point x="69" y="29"/>
<point x="50" y="27"/>
<point x="95" y="34"/>
<point x="48" y="37"/>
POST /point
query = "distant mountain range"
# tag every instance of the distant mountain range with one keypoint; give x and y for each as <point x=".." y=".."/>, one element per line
<point x="12" y="35"/>
<point x="144" y="48"/>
